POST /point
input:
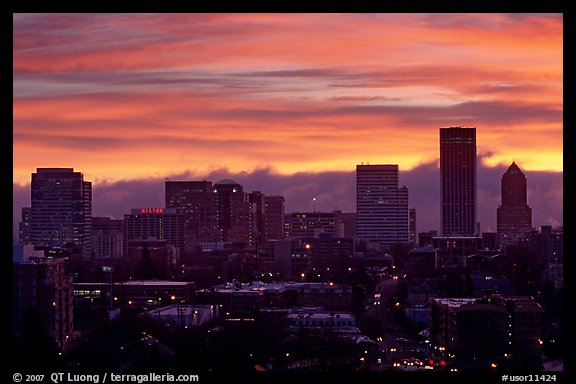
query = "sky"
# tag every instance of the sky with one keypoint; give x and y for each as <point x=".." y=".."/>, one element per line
<point x="287" y="103"/>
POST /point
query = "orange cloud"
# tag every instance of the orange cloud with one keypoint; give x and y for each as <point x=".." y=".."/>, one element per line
<point x="125" y="96"/>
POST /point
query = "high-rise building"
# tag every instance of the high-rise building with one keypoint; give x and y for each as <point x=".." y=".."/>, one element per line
<point x="236" y="216"/>
<point x="196" y="201"/>
<point x="61" y="210"/>
<point x="257" y="198"/>
<point x="274" y="217"/>
<point x="24" y="227"/>
<point x="382" y="213"/>
<point x="513" y="216"/>
<point x="412" y="227"/>
<point x="458" y="181"/>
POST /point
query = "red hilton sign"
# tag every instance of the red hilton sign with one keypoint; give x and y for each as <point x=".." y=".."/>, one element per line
<point x="152" y="210"/>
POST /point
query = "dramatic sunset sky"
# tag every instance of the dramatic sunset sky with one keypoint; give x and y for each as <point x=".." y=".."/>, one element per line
<point x="287" y="103"/>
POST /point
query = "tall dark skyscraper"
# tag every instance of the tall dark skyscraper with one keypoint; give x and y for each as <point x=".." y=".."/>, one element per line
<point x="513" y="216"/>
<point x="274" y="217"/>
<point x="382" y="215"/>
<point x="61" y="210"/>
<point x="257" y="198"/>
<point x="236" y="215"/>
<point x="458" y="181"/>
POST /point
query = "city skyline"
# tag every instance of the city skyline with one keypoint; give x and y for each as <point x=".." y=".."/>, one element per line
<point x="287" y="100"/>
<point x="336" y="190"/>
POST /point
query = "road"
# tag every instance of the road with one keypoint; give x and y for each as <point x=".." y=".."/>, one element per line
<point x="395" y="345"/>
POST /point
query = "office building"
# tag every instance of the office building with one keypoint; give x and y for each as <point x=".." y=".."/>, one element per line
<point x="330" y="257"/>
<point x="236" y="216"/>
<point x="547" y="244"/>
<point x="107" y="238"/>
<point x="349" y="221"/>
<point x="196" y="201"/>
<point x="311" y="224"/>
<point x="458" y="182"/>
<point x="513" y="216"/>
<point x="257" y="199"/>
<point x="24" y="226"/>
<point x="412" y="227"/>
<point x="382" y="212"/>
<point x="60" y="215"/>
<point x="274" y="217"/>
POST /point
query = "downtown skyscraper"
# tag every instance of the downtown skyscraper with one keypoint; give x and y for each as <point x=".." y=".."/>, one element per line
<point x="61" y="210"/>
<point x="236" y="215"/>
<point x="196" y="200"/>
<point x="274" y="217"/>
<point x="513" y="216"/>
<point x="381" y="206"/>
<point x="458" y="182"/>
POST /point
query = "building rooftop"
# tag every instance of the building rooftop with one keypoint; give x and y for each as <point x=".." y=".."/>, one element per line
<point x="179" y="310"/>
<point x="155" y="282"/>
<point x="226" y="181"/>
<point x="41" y="260"/>
<point x="322" y="315"/>
<point x="452" y="302"/>
<point x="522" y="303"/>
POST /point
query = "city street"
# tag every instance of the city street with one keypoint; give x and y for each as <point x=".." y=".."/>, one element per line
<point x="395" y="344"/>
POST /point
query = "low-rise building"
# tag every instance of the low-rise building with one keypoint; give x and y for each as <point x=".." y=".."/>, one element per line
<point x="492" y="332"/>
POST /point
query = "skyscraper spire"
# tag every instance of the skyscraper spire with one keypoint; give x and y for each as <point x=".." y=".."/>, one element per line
<point x="513" y="216"/>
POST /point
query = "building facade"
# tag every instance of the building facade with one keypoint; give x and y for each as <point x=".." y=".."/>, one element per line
<point x="43" y="293"/>
<point x="488" y="333"/>
<point x="60" y="215"/>
<point x="107" y="238"/>
<point x="196" y="201"/>
<point x="154" y="224"/>
<point x="458" y="213"/>
<point x="513" y="216"/>
<point x="382" y="214"/>
<point x="412" y="227"/>
<point x="258" y="201"/>
<point x="236" y="216"/>
<point x="274" y="217"/>
<point x="311" y="224"/>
